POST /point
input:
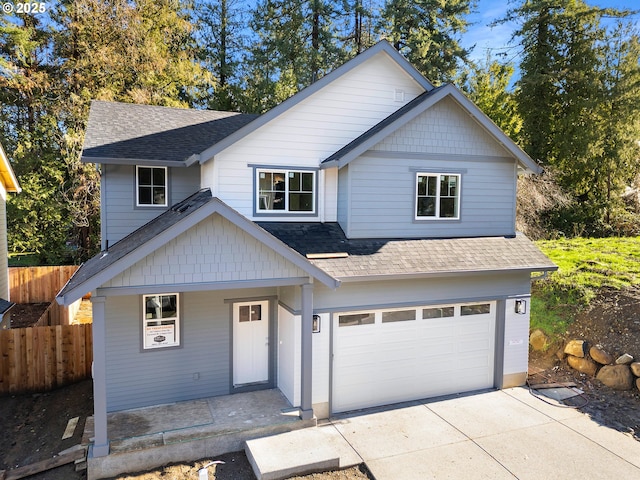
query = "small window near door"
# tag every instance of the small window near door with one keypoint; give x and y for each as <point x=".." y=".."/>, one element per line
<point x="250" y="313"/>
<point x="161" y="321"/>
<point x="479" y="309"/>
<point x="356" y="319"/>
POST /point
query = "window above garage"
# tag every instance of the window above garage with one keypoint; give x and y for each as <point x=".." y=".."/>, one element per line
<point x="437" y="196"/>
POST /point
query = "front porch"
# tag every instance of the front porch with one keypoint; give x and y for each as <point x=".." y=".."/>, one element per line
<point x="145" y="438"/>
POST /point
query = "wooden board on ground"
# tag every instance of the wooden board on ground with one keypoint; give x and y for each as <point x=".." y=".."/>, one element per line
<point x="55" y="462"/>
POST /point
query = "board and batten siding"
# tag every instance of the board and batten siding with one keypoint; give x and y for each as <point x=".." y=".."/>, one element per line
<point x="311" y="131"/>
<point x="120" y="216"/>
<point x="4" y="258"/>
<point x="214" y="250"/>
<point x="379" y="189"/>
<point x="199" y="368"/>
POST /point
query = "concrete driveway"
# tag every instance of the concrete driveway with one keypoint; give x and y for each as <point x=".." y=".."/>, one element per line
<point x="503" y="434"/>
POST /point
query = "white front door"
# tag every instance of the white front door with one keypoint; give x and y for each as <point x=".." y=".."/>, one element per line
<point x="250" y="342"/>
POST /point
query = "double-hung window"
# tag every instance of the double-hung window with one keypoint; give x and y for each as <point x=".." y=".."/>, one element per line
<point x="286" y="191"/>
<point x="151" y="186"/>
<point x="437" y="196"/>
<point x="160" y="321"/>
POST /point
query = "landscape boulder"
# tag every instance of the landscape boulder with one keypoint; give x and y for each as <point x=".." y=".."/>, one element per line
<point x="624" y="359"/>
<point x="618" y="377"/>
<point x="577" y="348"/>
<point x="601" y="356"/>
<point x="583" y="365"/>
<point x="538" y="340"/>
<point x="635" y="368"/>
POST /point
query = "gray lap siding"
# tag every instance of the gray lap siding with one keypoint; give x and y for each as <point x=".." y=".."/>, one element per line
<point x="380" y="197"/>
<point x="120" y="216"/>
<point x="199" y="368"/>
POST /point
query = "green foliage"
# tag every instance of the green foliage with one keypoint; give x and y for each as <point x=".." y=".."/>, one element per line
<point x="585" y="265"/>
<point x="426" y="33"/>
<point x="487" y="85"/>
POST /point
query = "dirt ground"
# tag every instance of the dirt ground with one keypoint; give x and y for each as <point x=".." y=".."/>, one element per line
<point x="32" y="425"/>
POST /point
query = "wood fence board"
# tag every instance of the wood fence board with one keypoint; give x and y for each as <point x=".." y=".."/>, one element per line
<point x="42" y="358"/>
<point x="38" y="284"/>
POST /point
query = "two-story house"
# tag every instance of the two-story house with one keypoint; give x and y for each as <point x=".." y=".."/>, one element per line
<point x="355" y="246"/>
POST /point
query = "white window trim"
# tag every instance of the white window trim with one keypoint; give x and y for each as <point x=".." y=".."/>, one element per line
<point x="145" y="328"/>
<point x="437" y="215"/>
<point x="166" y="187"/>
<point x="285" y="172"/>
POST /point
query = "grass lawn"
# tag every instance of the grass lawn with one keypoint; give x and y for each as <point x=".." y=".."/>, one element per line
<point x="585" y="266"/>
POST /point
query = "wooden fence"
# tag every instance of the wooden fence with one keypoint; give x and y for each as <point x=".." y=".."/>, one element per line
<point x="38" y="284"/>
<point x="41" y="285"/>
<point x="42" y="358"/>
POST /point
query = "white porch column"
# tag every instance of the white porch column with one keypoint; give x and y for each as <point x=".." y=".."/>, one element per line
<point x="306" y="412"/>
<point x="99" y="370"/>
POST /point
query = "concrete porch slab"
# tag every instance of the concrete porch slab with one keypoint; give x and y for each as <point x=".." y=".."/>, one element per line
<point x="300" y="452"/>
<point x="146" y="438"/>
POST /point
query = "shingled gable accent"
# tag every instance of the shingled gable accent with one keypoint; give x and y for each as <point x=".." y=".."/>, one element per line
<point x="382" y="46"/>
<point x="416" y="107"/>
<point x="164" y="228"/>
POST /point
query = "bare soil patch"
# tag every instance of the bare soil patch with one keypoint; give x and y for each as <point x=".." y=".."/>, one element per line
<point x="32" y="425"/>
<point x="24" y="315"/>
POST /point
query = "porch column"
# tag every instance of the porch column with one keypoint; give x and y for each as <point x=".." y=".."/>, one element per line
<point x="306" y="412"/>
<point x="99" y="371"/>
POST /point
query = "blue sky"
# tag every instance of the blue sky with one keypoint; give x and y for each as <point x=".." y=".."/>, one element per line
<point x="496" y="39"/>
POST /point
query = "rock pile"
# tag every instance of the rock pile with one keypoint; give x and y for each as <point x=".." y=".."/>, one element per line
<point x="620" y="373"/>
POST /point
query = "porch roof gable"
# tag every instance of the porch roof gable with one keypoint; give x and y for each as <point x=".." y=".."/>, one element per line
<point x="158" y="232"/>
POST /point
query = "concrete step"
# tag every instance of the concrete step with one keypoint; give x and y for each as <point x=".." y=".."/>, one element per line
<point x="300" y="452"/>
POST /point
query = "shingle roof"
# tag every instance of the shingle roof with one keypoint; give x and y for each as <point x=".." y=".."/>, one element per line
<point x="146" y="132"/>
<point x="5" y="305"/>
<point x="128" y="244"/>
<point x="396" y="257"/>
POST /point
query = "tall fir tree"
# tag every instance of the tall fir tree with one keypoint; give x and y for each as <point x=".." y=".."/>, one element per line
<point x="221" y="25"/>
<point x="427" y="33"/>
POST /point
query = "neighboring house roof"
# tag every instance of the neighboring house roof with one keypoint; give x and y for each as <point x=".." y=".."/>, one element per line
<point x="414" y="108"/>
<point x="7" y="176"/>
<point x="164" y="228"/>
<point x="148" y="134"/>
<point x="374" y="259"/>
<point x="382" y="46"/>
<point x="5" y="305"/>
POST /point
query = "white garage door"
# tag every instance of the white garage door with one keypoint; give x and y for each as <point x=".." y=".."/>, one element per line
<point x="389" y="356"/>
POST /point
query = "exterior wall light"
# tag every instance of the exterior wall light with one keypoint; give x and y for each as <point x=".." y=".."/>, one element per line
<point x="521" y="307"/>
<point x="316" y="324"/>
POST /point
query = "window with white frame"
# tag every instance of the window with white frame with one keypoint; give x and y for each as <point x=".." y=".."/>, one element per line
<point x="437" y="196"/>
<point x="285" y="191"/>
<point x="160" y="321"/>
<point x="151" y="186"/>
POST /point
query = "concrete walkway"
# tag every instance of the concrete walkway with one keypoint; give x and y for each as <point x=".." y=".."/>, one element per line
<point x="507" y="434"/>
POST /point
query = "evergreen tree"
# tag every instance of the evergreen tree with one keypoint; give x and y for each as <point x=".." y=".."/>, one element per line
<point x="221" y="25"/>
<point x="487" y="85"/>
<point x="294" y="46"/>
<point x="426" y="33"/>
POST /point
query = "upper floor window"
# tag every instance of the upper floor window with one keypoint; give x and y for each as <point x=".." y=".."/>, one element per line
<point x="287" y="191"/>
<point x="437" y="196"/>
<point x="151" y="186"/>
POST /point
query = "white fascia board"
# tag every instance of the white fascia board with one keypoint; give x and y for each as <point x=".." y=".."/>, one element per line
<point x="382" y="46"/>
<point x="8" y="175"/>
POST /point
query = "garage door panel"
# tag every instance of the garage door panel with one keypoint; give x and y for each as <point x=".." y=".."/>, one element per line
<point x="383" y="363"/>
